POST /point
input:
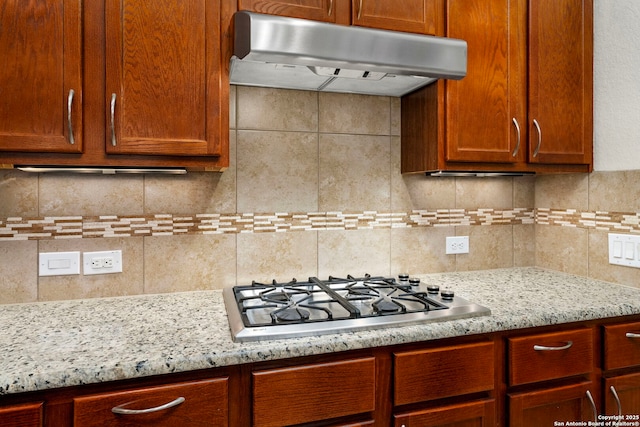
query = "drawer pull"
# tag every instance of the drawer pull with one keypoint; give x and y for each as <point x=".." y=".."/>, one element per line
<point x="545" y="348"/>
<point x="515" y="123"/>
<point x="593" y="406"/>
<point x="615" y="396"/>
<point x="113" y="119"/>
<point x="632" y="335"/>
<point x="537" y="149"/>
<point x="123" y="411"/>
<point x="69" y="122"/>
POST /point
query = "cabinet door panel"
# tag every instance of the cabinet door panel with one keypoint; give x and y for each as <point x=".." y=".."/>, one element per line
<point x="476" y="414"/>
<point x="481" y="107"/>
<point x="415" y="16"/>
<point x="419" y="375"/>
<point x="26" y="415"/>
<point x="205" y="404"/>
<point x="320" y="391"/>
<point x="40" y="43"/>
<point x="544" y="407"/>
<point x="561" y="81"/>
<point x="627" y="389"/>
<point x="333" y="11"/>
<point x="162" y="91"/>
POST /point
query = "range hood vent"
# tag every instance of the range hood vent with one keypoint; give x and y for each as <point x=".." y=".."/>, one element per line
<point x="290" y="53"/>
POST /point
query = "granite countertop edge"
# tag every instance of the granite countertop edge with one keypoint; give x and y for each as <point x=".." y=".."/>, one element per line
<point x="68" y="343"/>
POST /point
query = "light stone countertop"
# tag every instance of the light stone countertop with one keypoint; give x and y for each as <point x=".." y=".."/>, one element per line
<point x="58" y="344"/>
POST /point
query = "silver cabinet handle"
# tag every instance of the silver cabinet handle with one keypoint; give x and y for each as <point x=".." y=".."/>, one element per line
<point x="69" y="122"/>
<point x="537" y="150"/>
<point x="545" y="348"/>
<point x="113" y="119"/>
<point x="615" y="396"/>
<point x="330" y="7"/>
<point x="632" y="335"/>
<point x="593" y="406"/>
<point x="515" y="123"/>
<point x="123" y="411"/>
<point x="360" y="9"/>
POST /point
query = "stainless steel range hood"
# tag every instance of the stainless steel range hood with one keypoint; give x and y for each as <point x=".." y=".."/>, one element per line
<point x="274" y="51"/>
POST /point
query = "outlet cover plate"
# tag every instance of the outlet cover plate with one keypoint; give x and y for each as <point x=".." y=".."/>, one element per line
<point x="103" y="262"/>
<point x="457" y="245"/>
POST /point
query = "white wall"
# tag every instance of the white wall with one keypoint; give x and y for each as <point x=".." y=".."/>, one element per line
<point x="616" y="85"/>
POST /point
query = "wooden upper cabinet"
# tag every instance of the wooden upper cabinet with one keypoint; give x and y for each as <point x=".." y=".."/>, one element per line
<point x="561" y="81"/>
<point x="333" y="11"/>
<point x="486" y="110"/>
<point x="40" y="77"/>
<point x="526" y="103"/>
<point x="415" y="16"/>
<point x="162" y="91"/>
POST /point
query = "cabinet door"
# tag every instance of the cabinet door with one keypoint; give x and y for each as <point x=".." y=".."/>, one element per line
<point x="476" y="414"/>
<point x="485" y="111"/>
<point x="40" y="77"/>
<point x="163" y="87"/>
<point x="544" y="407"/>
<point x="622" y="396"/>
<point x="205" y="404"/>
<point x="320" y="391"/>
<point x="415" y="16"/>
<point x="334" y="11"/>
<point x="26" y="415"/>
<point x="457" y="370"/>
<point x="561" y="81"/>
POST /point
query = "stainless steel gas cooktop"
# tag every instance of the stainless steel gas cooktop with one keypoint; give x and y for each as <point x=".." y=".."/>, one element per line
<point x="295" y="309"/>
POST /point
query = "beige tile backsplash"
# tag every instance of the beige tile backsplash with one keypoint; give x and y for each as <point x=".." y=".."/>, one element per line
<point x="314" y="155"/>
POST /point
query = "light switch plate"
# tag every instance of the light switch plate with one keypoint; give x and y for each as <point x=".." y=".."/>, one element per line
<point x="624" y="249"/>
<point x="58" y="263"/>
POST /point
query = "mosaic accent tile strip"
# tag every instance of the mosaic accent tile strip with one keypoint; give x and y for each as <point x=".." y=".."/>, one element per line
<point x="598" y="220"/>
<point x="79" y="227"/>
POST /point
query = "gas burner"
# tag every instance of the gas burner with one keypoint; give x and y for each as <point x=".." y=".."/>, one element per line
<point x="290" y="315"/>
<point x="386" y="306"/>
<point x="315" y="307"/>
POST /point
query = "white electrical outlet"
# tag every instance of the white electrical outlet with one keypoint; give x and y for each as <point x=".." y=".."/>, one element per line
<point x="105" y="262"/>
<point x="457" y="245"/>
<point x="624" y="249"/>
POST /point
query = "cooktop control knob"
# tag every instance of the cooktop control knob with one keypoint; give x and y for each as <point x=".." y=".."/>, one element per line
<point x="433" y="289"/>
<point x="403" y="277"/>
<point x="414" y="281"/>
<point x="447" y="295"/>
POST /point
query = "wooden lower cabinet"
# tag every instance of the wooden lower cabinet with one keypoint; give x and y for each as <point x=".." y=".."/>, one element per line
<point x="190" y="404"/>
<point x="441" y="372"/>
<point x="622" y="396"/>
<point x="501" y="379"/>
<point x="547" y="356"/>
<point x="474" y="414"/>
<point x="318" y="392"/>
<point x="622" y="365"/>
<point x="546" y="406"/>
<point x="23" y="415"/>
